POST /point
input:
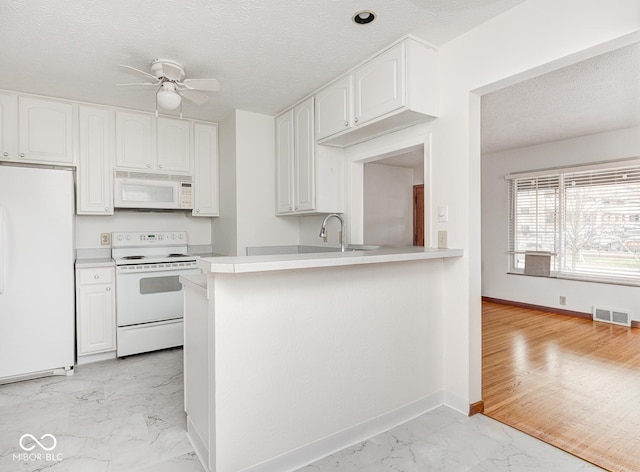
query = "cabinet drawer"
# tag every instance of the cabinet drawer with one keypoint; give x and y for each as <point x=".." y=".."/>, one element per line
<point x="103" y="275"/>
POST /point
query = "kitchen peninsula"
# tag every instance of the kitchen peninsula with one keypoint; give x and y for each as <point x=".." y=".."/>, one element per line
<point x="291" y="357"/>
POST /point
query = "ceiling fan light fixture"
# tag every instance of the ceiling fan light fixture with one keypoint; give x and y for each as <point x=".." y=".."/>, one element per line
<point x="167" y="96"/>
<point x="363" y="17"/>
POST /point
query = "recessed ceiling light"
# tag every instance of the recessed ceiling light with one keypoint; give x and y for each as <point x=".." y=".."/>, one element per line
<point x="363" y="17"/>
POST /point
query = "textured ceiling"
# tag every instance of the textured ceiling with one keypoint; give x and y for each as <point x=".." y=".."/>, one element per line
<point x="266" y="54"/>
<point x="593" y="96"/>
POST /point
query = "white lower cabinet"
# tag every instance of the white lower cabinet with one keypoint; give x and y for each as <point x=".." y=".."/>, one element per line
<point x="95" y="314"/>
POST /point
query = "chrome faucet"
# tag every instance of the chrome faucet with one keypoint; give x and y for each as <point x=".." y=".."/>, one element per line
<point x="323" y="230"/>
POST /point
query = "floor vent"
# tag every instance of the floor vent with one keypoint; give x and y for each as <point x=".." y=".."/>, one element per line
<point x="609" y="315"/>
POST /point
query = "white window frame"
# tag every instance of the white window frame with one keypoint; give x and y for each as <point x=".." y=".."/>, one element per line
<point x="558" y="252"/>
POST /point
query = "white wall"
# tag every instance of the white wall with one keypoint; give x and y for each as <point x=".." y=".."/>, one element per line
<point x="257" y="224"/>
<point x="88" y="228"/>
<point x="531" y="38"/>
<point x="338" y="354"/>
<point x="388" y="205"/>
<point x="496" y="283"/>
<point x="224" y="227"/>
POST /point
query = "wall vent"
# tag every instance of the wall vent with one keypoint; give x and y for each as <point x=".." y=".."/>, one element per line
<point x="609" y="315"/>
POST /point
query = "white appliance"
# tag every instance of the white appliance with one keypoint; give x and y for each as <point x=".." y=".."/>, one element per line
<point x="149" y="304"/>
<point x="151" y="191"/>
<point x="37" y="305"/>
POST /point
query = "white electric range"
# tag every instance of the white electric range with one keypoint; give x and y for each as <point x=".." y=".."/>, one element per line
<point x="149" y="304"/>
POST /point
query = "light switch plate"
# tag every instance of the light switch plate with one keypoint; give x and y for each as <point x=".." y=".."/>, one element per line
<point x="443" y="213"/>
<point x="442" y="240"/>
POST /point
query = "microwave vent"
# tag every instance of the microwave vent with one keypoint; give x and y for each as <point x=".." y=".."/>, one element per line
<point x="123" y="174"/>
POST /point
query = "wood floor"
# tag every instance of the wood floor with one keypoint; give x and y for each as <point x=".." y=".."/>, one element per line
<point x="571" y="382"/>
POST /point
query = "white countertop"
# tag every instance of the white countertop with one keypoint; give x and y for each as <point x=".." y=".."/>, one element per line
<point x="94" y="262"/>
<point x="246" y="264"/>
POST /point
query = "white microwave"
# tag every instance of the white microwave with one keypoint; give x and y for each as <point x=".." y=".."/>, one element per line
<point x="152" y="194"/>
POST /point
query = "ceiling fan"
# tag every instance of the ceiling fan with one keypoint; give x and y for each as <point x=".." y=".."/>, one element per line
<point x="169" y="78"/>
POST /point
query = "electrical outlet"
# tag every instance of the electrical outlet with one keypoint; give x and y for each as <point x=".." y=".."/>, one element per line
<point x="442" y="239"/>
<point x="105" y="239"/>
<point x="563" y="300"/>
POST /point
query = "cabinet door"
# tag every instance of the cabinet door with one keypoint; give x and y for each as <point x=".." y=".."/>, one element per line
<point x="95" y="179"/>
<point x="96" y="319"/>
<point x="380" y="85"/>
<point x="304" y="157"/>
<point x="174" y="145"/>
<point x="45" y="130"/>
<point x="135" y="143"/>
<point x="8" y="129"/>
<point x="284" y="163"/>
<point x="205" y="145"/>
<point x="333" y="108"/>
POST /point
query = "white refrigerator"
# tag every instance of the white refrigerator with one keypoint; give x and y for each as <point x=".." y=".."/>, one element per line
<point x="37" y="333"/>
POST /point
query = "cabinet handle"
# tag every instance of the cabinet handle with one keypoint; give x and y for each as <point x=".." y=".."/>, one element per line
<point x="346" y="123"/>
<point x="96" y="276"/>
<point x="108" y="289"/>
<point x="160" y="166"/>
<point x="197" y="210"/>
<point x="148" y="166"/>
<point x="106" y="208"/>
<point x="355" y="119"/>
<point x="290" y="208"/>
<point x="22" y="154"/>
<point x="5" y="154"/>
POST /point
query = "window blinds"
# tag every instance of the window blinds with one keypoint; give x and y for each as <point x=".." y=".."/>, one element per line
<point x="588" y="220"/>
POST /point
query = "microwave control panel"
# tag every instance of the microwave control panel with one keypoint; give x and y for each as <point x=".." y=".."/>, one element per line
<point x="186" y="196"/>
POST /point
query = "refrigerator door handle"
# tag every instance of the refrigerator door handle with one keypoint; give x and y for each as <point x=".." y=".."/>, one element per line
<point x="3" y="252"/>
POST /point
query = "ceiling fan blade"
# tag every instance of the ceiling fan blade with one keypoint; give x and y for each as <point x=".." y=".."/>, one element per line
<point x="139" y="83"/>
<point x="193" y="96"/>
<point x="172" y="72"/>
<point x="208" y="85"/>
<point x="146" y="74"/>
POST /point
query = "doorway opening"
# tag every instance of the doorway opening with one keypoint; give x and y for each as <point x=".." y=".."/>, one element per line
<point x="394" y="200"/>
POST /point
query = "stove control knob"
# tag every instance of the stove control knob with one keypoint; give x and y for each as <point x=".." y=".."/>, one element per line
<point x="173" y="236"/>
<point x="128" y="237"/>
<point x="119" y="237"/>
<point x="181" y="236"/>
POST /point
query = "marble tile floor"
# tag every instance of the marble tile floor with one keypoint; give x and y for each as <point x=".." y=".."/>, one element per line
<point x="127" y="415"/>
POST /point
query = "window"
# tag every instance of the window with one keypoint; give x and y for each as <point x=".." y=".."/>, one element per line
<point x="586" y="219"/>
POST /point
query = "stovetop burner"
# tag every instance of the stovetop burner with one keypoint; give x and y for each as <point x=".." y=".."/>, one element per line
<point x="178" y="255"/>
<point x="133" y="257"/>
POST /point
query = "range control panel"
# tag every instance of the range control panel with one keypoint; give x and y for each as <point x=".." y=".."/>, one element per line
<point x="152" y="238"/>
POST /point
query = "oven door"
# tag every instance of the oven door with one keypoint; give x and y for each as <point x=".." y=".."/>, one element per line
<point x="143" y="297"/>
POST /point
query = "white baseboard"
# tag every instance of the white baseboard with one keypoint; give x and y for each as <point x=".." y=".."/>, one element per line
<point x="316" y="450"/>
<point x="198" y="445"/>
<point x="455" y="402"/>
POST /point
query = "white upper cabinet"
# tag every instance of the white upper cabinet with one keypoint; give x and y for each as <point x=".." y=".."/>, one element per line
<point x="135" y="140"/>
<point x="44" y="130"/>
<point x="174" y="145"/>
<point x="295" y="164"/>
<point x="206" y="162"/>
<point x="304" y="157"/>
<point x="394" y="89"/>
<point x="284" y="163"/>
<point x="333" y="107"/>
<point x="95" y="162"/>
<point x="305" y="183"/>
<point x="8" y="126"/>
<point x="380" y="86"/>
<point x="144" y="142"/>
